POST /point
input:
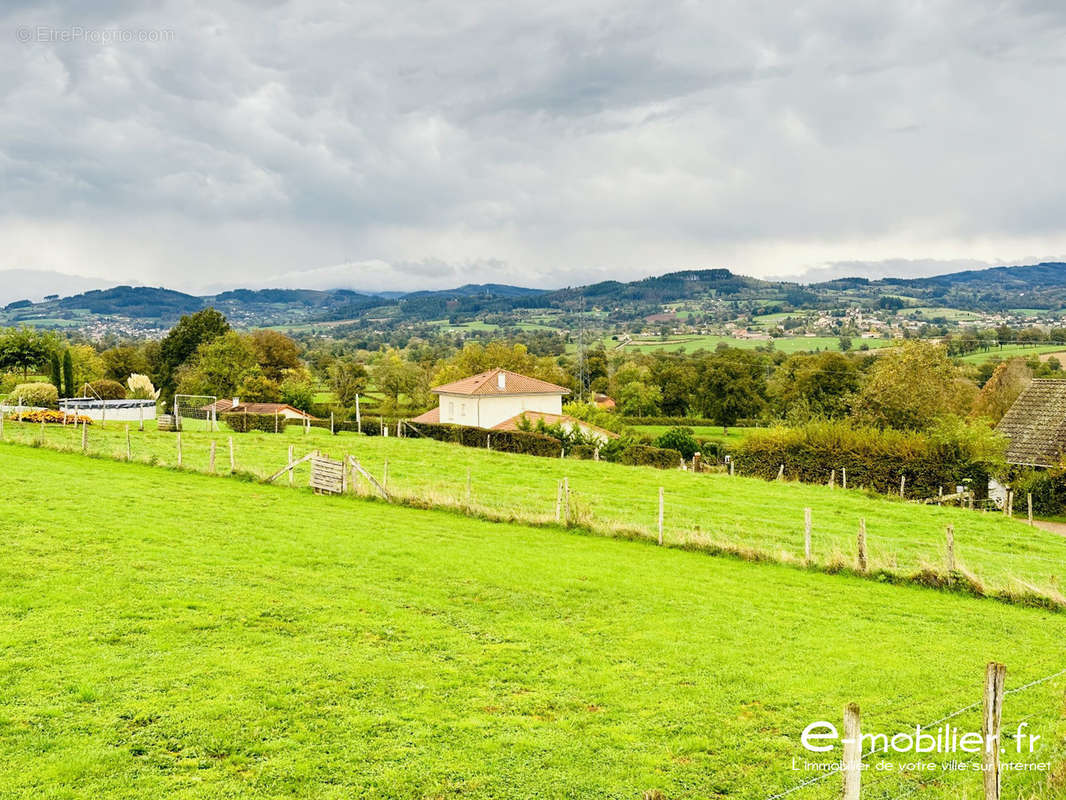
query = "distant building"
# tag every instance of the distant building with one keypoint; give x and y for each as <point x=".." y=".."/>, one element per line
<point x="235" y="406"/>
<point x="1035" y="425"/>
<point x="487" y="399"/>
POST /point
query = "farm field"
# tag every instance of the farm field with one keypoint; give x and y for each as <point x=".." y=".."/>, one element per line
<point x="190" y="636"/>
<point x="700" y="431"/>
<point x="788" y="344"/>
<point x="702" y="511"/>
<point x="1009" y="351"/>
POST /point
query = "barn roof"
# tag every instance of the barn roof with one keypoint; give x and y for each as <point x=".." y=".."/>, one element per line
<point x="1035" y="425"/>
<point x="500" y="381"/>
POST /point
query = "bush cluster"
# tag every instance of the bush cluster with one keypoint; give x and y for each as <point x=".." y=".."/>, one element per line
<point x="1048" y="488"/>
<point x="34" y="394"/>
<point x="949" y="454"/>
<point x="51" y="416"/>
<point x="107" y="389"/>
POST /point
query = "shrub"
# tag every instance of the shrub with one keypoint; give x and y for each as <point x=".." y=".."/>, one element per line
<point x="50" y="415"/>
<point x="141" y="388"/>
<point x="680" y="439"/>
<point x="951" y="453"/>
<point x="243" y="423"/>
<point x="643" y="455"/>
<point x="1048" y="488"/>
<point x="107" y="389"/>
<point x="35" y="394"/>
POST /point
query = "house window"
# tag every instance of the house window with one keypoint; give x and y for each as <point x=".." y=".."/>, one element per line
<point x="462" y="410"/>
<point x="451" y="409"/>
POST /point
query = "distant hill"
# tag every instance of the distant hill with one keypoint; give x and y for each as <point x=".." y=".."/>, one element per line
<point x="1039" y="286"/>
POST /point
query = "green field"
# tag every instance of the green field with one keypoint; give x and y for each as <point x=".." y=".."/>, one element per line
<point x="717" y="432"/>
<point x="1010" y="351"/>
<point x="167" y="634"/>
<point x="700" y="511"/>
<point x="788" y="344"/>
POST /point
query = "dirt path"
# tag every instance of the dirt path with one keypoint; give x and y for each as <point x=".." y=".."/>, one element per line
<point x="1054" y="527"/>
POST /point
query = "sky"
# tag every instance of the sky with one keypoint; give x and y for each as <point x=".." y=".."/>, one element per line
<point x="411" y="145"/>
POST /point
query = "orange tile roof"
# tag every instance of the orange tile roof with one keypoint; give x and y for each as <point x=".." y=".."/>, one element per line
<point x="549" y="419"/>
<point x="488" y="383"/>
<point x="433" y="415"/>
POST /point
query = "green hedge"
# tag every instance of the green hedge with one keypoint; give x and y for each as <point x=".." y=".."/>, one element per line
<point x="645" y="455"/>
<point x="955" y="454"/>
<point x="526" y="442"/>
<point x="672" y="421"/>
<point x="243" y="423"/>
<point x="1048" y="488"/>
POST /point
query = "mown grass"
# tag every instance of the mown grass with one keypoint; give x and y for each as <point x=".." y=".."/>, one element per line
<point x="1009" y="351"/>
<point x="166" y="634"/>
<point x="749" y="516"/>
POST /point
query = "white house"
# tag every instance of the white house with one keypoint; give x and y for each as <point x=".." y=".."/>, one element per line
<point x="485" y="400"/>
<point x="499" y="400"/>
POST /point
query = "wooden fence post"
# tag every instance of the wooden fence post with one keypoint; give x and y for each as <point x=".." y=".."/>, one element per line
<point x="559" y="501"/>
<point x="292" y="470"/>
<point x="732" y="464"/>
<point x="1029" y="503"/>
<point x="232" y="456"/>
<point x="843" y="477"/>
<point x="852" y="765"/>
<point x="1008" y="503"/>
<point x="179" y="448"/>
<point x="129" y="450"/>
<point x="949" y="534"/>
<point x="807" y="535"/>
<point x="211" y="459"/>
<point x="358" y="417"/>
<point x="2" y="423"/>
<point x="84" y="437"/>
<point x="140" y="409"/>
<point x="833" y="479"/>
<point x="990" y="728"/>
<point x="275" y="421"/>
<point x="331" y="423"/>
<point x="781" y="472"/>
<point x="385" y="476"/>
<point x="902" y="486"/>
<point x="862" y="544"/>
<point x="566" y="500"/>
<point x="660" y="515"/>
<point x="468" y="485"/>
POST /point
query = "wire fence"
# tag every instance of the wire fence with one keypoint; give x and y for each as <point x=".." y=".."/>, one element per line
<point x="917" y="786"/>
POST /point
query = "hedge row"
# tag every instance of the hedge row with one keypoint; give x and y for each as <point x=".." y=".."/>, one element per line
<point x="527" y="442"/>
<point x="1048" y="488"/>
<point x="874" y="459"/>
<point x="242" y="423"/>
<point x="672" y="421"/>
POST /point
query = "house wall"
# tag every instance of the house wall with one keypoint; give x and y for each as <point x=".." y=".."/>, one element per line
<point x="484" y="411"/>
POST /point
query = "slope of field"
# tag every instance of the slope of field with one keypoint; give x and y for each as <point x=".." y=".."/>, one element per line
<point x="180" y="635"/>
<point x="700" y="510"/>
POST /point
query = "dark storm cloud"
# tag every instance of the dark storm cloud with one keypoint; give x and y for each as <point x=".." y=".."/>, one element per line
<point x="538" y="143"/>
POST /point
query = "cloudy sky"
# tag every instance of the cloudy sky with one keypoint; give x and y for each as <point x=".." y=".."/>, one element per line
<point x="400" y="145"/>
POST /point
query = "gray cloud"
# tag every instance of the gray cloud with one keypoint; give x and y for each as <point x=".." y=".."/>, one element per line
<point x="543" y="144"/>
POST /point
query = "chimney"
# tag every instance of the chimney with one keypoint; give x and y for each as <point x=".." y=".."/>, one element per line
<point x="501" y="380"/>
<point x="236" y="401"/>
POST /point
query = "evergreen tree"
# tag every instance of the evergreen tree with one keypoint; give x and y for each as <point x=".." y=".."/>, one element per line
<point x="68" y="374"/>
<point x="57" y="377"/>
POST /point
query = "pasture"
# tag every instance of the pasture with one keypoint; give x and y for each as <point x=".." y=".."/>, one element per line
<point x="786" y="344"/>
<point x="708" y="511"/>
<point x="169" y="634"/>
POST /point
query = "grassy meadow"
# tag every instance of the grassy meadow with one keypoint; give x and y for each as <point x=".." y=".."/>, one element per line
<point x="709" y="511"/>
<point x="170" y="634"/>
